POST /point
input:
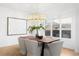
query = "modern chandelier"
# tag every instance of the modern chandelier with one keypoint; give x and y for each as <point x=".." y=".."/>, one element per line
<point x="36" y="17"/>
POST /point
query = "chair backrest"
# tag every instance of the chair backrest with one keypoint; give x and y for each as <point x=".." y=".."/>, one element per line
<point x="32" y="48"/>
<point x="22" y="46"/>
<point x="54" y="48"/>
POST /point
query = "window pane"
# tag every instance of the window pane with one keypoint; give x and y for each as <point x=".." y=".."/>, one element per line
<point x="47" y="32"/>
<point x="48" y="29"/>
<point x="55" y="33"/>
<point x="66" y="33"/>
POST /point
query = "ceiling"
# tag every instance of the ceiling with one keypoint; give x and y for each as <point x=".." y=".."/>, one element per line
<point x="53" y="6"/>
<point x="46" y="8"/>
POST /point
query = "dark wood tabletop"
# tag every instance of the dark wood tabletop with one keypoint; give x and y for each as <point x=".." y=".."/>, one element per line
<point x="45" y="39"/>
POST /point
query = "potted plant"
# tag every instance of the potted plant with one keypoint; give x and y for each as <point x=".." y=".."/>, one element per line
<point x="38" y="27"/>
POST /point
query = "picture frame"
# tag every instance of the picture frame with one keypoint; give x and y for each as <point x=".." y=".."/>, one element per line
<point x="16" y="26"/>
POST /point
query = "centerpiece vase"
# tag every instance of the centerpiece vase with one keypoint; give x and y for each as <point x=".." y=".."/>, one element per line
<point x="37" y="35"/>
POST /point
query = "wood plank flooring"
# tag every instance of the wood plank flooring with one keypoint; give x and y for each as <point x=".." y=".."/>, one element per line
<point x="15" y="51"/>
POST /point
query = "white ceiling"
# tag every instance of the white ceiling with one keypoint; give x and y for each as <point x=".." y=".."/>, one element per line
<point x="53" y="6"/>
<point x="19" y="6"/>
<point x="47" y="8"/>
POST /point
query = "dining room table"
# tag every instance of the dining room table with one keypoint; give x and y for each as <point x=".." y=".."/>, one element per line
<point x="44" y="41"/>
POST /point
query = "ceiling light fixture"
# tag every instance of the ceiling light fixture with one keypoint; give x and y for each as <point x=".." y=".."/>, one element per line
<point x="36" y="17"/>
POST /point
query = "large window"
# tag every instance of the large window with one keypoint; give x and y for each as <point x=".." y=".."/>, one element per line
<point x="59" y="28"/>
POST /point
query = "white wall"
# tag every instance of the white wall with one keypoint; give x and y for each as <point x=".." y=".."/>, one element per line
<point x="77" y="30"/>
<point x="74" y="42"/>
<point x="4" y="13"/>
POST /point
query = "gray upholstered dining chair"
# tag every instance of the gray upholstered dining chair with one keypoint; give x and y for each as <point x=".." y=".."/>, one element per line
<point x="53" y="49"/>
<point x="22" y="46"/>
<point x="33" y="49"/>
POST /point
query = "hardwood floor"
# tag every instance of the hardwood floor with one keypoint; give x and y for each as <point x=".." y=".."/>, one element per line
<point x="68" y="52"/>
<point x="15" y="51"/>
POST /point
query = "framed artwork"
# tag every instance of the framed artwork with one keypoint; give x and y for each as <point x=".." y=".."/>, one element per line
<point x="16" y="26"/>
